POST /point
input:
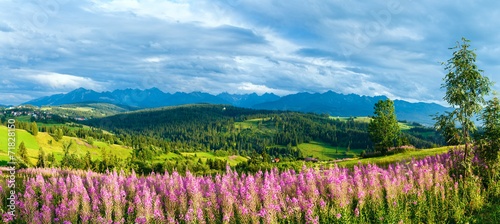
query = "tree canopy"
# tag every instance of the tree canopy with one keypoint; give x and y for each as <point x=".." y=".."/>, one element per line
<point x="383" y="128"/>
<point x="465" y="88"/>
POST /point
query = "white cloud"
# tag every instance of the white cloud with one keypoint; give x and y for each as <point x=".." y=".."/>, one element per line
<point x="404" y="33"/>
<point x="14" y="98"/>
<point x="65" y="82"/>
<point x="171" y="11"/>
<point x="261" y="89"/>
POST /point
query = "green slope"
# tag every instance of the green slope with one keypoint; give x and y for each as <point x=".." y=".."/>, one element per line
<point x="50" y="145"/>
<point x="323" y="151"/>
<point x="88" y="109"/>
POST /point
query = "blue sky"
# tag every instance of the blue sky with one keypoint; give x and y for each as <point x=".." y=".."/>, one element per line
<point x="380" y="47"/>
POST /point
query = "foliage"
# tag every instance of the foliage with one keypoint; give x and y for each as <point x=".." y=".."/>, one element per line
<point x="23" y="153"/>
<point x="42" y="159"/>
<point x="90" y="140"/>
<point x="446" y="125"/>
<point x="465" y="90"/>
<point x="489" y="144"/>
<point x="34" y="129"/>
<point x="383" y="128"/>
<point x="491" y="120"/>
<point x="58" y="134"/>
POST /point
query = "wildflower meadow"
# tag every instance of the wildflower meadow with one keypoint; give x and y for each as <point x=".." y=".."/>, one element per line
<point x="415" y="191"/>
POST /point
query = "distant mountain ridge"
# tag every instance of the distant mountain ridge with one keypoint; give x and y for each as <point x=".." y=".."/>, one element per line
<point x="335" y="104"/>
<point x="150" y="98"/>
<point x="354" y="105"/>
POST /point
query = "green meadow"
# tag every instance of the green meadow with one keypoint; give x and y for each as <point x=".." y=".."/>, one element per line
<point x="324" y="151"/>
<point x="391" y="159"/>
<point x="81" y="147"/>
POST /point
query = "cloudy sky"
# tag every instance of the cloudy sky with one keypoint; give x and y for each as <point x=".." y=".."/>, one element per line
<point x="380" y="47"/>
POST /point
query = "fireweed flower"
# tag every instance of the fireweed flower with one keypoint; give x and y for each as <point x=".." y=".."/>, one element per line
<point x="55" y="195"/>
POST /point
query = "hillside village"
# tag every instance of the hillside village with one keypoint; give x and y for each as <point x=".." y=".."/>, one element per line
<point x="35" y="113"/>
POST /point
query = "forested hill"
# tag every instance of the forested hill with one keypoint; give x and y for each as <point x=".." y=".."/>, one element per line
<point x="89" y="109"/>
<point x="208" y="127"/>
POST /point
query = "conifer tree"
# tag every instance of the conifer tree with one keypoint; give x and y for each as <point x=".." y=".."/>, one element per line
<point x="34" y="129"/>
<point x="42" y="159"/>
<point x="23" y="153"/>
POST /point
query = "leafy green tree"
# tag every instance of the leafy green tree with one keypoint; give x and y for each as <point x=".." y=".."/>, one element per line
<point x="42" y="159"/>
<point x="59" y="134"/>
<point x="266" y="157"/>
<point x="90" y="140"/>
<point x="491" y="124"/>
<point x="23" y="153"/>
<point x="491" y="120"/>
<point x="34" y="129"/>
<point x="87" y="161"/>
<point x="446" y="125"/>
<point x="465" y="90"/>
<point x="383" y="128"/>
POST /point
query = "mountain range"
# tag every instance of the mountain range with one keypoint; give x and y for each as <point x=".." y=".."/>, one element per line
<point x="335" y="104"/>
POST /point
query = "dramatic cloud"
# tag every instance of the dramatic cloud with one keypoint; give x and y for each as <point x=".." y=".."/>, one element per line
<point x="381" y="47"/>
<point x="62" y="81"/>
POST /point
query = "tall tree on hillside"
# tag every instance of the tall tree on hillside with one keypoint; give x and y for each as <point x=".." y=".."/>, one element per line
<point x="59" y="134"/>
<point x="42" y="159"/>
<point x="384" y="129"/>
<point x="87" y="161"/>
<point x="23" y="153"/>
<point x="34" y="129"/>
<point x="465" y="90"/>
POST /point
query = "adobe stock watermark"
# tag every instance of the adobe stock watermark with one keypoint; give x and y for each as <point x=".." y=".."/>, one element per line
<point x="36" y="16"/>
<point x="381" y="19"/>
<point x="44" y="11"/>
<point x="11" y="176"/>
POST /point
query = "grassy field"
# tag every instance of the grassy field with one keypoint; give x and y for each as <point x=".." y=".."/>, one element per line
<point x="80" y="147"/>
<point x="253" y="124"/>
<point x="385" y="160"/>
<point x="232" y="160"/>
<point x="195" y="156"/>
<point x="323" y="151"/>
<point x="24" y="118"/>
<point x="50" y="145"/>
<point x="357" y="119"/>
<point x="85" y="109"/>
<point x="21" y="136"/>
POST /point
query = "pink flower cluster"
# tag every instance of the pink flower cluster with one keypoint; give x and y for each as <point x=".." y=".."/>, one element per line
<point x="63" y="196"/>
